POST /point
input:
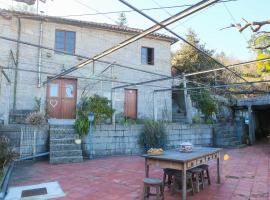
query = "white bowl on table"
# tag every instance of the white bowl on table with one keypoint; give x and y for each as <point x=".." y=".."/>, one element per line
<point x="186" y="147"/>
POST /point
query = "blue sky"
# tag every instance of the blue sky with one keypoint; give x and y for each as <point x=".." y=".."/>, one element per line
<point x="206" y="23"/>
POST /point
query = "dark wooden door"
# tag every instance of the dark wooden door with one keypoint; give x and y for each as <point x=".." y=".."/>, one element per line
<point x="130" y="103"/>
<point x="61" y="98"/>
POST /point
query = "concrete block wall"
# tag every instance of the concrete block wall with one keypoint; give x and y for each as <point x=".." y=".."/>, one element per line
<point x="13" y="132"/>
<point x="111" y="140"/>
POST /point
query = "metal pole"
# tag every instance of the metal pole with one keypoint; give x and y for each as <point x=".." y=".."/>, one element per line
<point x="91" y="142"/>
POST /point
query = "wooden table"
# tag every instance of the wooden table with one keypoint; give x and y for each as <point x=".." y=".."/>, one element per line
<point x="184" y="161"/>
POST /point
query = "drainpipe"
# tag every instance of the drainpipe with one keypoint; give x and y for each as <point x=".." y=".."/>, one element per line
<point x="40" y="52"/>
<point x="16" y="64"/>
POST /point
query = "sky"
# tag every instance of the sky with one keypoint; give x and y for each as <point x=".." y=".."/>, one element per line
<point x="206" y="23"/>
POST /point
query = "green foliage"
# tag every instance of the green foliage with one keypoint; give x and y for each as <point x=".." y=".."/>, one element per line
<point x="196" y="119"/>
<point x="96" y="104"/>
<point x="153" y="135"/>
<point x="263" y="67"/>
<point x="7" y="153"/>
<point x="261" y="40"/>
<point x="205" y="103"/>
<point x="82" y="125"/>
<point x="188" y="59"/>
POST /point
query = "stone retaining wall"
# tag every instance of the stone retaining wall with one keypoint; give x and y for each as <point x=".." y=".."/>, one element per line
<point x="120" y="140"/>
<point x="13" y="132"/>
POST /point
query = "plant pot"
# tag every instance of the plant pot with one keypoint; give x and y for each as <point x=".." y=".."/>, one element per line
<point x="78" y="141"/>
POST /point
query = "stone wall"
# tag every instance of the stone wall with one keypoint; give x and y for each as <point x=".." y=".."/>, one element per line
<point x="228" y="134"/>
<point x="13" y="132"/>
<point x="120" y="140"/>
<point x="89" y="42"/>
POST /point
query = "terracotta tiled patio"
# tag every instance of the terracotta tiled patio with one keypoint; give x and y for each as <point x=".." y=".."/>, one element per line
<point x="246" y="175"/>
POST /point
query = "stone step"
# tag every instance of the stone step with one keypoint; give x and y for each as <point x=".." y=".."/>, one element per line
<point x="64" y="160"/>
<point x="62" y="136"/>
<point x="64" y="147"/>
<point x="62" y="126"/>
<point x="54" y="154"/>
<point x="62" y="141"/>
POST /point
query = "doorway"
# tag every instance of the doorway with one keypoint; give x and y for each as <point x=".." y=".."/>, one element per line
<point x="130" y="109"/>
<point x="61" y="98"/>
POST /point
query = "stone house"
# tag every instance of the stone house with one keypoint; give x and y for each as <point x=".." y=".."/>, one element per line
<point x="28" y="66"/>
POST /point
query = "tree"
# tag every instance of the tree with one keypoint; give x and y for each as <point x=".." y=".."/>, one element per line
<point x="259" y="42"/>
<point x="24" y="8"/>
<point x="122" y="20"/>
<point x="187" y="59"/>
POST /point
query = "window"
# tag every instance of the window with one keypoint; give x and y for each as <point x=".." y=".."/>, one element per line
<point x="65" y="41"/>
<point x="147" y="56"/>
<point x="69" y="90"/>
<point x="53" y="90"/>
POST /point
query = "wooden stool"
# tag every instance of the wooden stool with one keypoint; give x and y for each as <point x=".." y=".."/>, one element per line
<point x="169" y="173"/>
<point x="206" y="173"/>
<point x="177" y="183"/>
<point x="197" y="174"/>
<point x="268" y="137"/>
<point x="155" y="183"/>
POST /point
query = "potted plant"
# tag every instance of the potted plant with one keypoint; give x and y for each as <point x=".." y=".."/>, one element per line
<point x="32" y="130"/>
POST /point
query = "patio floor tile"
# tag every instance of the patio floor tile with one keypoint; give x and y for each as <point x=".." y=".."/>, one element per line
<point x="246" y="175"/>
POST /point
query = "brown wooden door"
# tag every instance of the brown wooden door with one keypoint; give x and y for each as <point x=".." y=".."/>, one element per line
<point x="61" y="98"/>
<point x="130" y="103"/>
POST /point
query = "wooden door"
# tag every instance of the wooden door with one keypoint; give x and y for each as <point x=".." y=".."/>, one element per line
<point x="130" y="103"/>
<point x="69" y="95"/>
<point x="61" y="98"/>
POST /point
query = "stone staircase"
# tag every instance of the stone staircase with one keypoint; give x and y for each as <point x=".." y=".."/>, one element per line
<point x="225" y="137"/>
<point x="62" y="146"/>
<point x="177" y="116"/>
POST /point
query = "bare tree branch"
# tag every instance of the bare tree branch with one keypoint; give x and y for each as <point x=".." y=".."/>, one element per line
<point x="255" y="26"/>
<point x="262" y="47"/>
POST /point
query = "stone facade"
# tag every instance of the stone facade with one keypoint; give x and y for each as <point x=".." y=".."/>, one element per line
<point x="121" y="140"/>
<point x="90" y="40"/>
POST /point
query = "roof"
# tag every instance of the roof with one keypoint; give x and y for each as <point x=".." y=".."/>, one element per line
<point x="90" y="24"/>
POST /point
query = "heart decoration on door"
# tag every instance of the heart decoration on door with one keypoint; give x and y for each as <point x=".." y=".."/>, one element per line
<point x="53" y="103"/>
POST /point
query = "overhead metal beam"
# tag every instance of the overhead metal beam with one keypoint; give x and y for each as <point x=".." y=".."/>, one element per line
<point x="199" y="6"/>
<point x="145" y="82"/>
<point x="201" y="72"/>
<point x="228" y="66"/>
<point x="215" y="86"/>
<point x="181" y="38"/>
<point x="77" y="55"/>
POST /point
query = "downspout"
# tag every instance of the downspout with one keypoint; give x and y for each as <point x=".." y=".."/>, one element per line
<point x="16" y="64"/>
<point x="40" y="52"/>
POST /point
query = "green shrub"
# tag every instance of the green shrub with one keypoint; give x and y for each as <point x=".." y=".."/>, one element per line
<point x="153" y="135"/>
<point x="205" y="103"/>
<point x="196" y="120"/>
<point x="7" y="153"/>
<point x="35" y="118"/>
<point x="101" y="106"/>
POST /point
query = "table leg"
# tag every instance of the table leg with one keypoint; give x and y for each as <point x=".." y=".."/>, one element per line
<point x="146" y="169"/>
<point x="218" y="169"/>
<point x="184" y="184"/>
